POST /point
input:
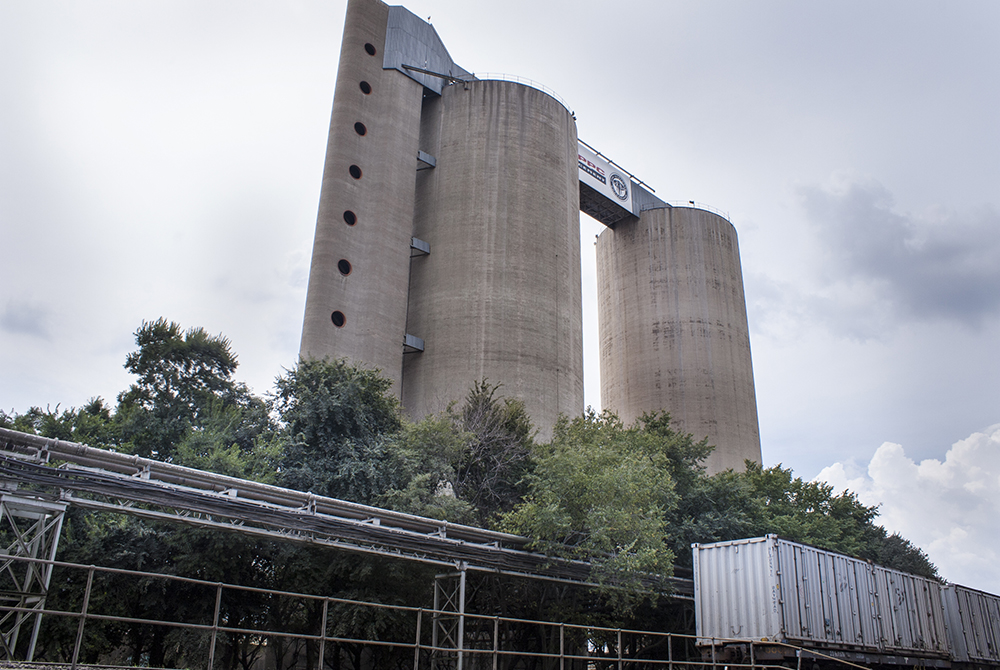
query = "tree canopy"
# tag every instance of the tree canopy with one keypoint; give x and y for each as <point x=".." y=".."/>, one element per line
<point x="601" y="492"/>
<point x="181" y="374"/>
<point x="628" y="499"/>
<point x="467" y="464"/>
<point x="338" y="423"/>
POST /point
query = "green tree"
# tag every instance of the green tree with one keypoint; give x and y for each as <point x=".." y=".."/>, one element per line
<point x="808" y="512"/>
<point x="90" y="424"/>
<point x="337" y="422"/>
<point x="895" y="551"/>
<point x="490" y="472"/>
<point x="184" y="407"/>
<point x="424" y="458"/>
<point x="600" y="492"/>
<point x="180" y="374"/>
<point x="344" y="437"/>
<point x="236" y="438"/>
<point x="759" y="501"/>
<point x="467" y="464"/>
<point x="714" y="509"/>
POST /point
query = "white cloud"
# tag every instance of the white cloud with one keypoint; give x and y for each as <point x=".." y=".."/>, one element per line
<point x="949" y="508"/>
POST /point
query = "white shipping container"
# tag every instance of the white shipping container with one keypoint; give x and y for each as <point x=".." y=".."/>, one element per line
<point x="769" y="589"/>
<point x="973" y="624"/>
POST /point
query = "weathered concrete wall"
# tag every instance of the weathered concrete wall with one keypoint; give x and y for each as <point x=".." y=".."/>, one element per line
<point x="499" y="298"/>
<point x="673" y="328"/>
<point x="370" y="293"/>
<point x="499" y="295"/>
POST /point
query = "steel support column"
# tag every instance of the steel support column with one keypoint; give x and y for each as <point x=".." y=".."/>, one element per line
<point x="448" y="632"/>
<point x="29" y="528"/>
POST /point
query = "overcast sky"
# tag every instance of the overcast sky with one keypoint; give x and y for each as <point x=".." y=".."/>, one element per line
<point x="164" y="159"/>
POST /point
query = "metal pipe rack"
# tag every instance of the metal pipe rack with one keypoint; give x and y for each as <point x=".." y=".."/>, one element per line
<point x="104" y="480"/>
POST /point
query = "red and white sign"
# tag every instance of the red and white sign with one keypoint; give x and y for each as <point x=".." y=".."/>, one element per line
<point x="611" y="182"/>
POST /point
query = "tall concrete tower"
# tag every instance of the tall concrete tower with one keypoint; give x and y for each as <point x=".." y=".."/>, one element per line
<point x="356" y="301"/>
<point x="447" y="251"/>
<point x="447" y="242"/>
<point x="673" y="328"/>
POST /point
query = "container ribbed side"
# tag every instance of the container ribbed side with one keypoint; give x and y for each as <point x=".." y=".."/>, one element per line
<point x="770" y="589"/>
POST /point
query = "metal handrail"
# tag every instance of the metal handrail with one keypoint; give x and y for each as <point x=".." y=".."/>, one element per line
<point x="590" y="632"/>
<point x="517" y="79"/>
<point x="700" y="205"/>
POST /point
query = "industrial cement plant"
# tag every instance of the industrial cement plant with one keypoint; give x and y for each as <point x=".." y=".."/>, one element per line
<point x="447" y="251"/>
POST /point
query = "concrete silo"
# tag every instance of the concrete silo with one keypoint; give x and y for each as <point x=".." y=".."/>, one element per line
<point x="447" y="251"/>
<point x="477" y="180"/>
<point x="498" y="297"/>
<point x="673" y="328"/>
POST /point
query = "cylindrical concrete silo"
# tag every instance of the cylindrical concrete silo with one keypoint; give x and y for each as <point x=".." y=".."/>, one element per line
<point x="498" y="297"/>
<point x="673" y="328"/>
<point x="356" y="301"/>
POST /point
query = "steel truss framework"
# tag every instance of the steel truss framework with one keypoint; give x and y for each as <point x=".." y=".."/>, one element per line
<point x="64" y="473"/>
<point x="108" y="481"/>
<point x="448" y="636"/>
<point x="30" y="529"/>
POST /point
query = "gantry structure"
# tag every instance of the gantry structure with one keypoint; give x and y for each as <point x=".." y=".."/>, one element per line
<point x="40" y="477"/>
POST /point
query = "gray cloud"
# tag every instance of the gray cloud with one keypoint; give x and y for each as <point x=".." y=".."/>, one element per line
<point x="937" y="266"/>
<point x="25" y="318"/>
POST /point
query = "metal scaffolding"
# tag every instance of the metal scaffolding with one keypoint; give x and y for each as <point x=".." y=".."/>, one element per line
<point x="100" y="480"/>
<point x="448" y="634"/>
<point x="29" y="528"/>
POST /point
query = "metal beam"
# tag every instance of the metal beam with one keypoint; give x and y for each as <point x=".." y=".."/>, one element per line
<point x="108" y="481"/>
<point x="29" y="528"/>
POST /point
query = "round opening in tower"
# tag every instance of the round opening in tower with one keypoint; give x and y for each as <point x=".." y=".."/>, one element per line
<point x="369" y="48"/>
<point x="366" y="88"/>
<point x="355" y="171"/>
<point x="360" y="129"/>
<point x="338" y="319"/>
<point x="344" y="266"/>
<point x="350" y="218"/>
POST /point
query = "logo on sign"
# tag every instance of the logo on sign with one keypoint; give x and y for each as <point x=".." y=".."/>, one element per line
<point x="619" y="187"/>
<point x="593" y="170"/>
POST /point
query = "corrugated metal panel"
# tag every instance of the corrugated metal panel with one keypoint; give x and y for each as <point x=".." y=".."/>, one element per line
<point x="973" y="624"/>
<point x="824" y="599"/>
<point x="411" y="41"/>
<point x="828" y="597"/>
<point x="911" y="612"/>
<point x="959" y="624"/>
<point x="856" y="590"/>
<point x="737" y="590"/>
